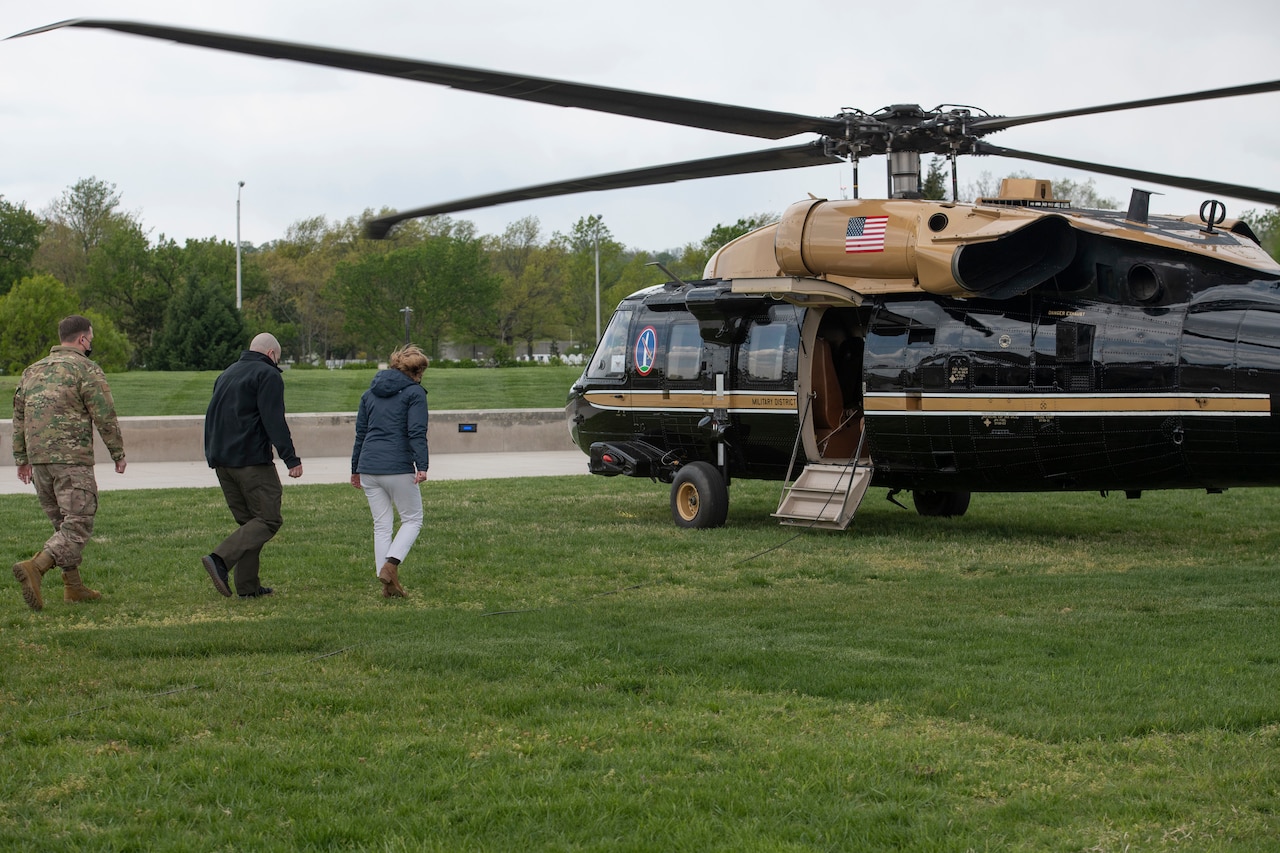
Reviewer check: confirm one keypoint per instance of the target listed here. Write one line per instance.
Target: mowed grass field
(572, 672)
(158, 394)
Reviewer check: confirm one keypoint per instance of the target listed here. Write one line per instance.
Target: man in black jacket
(245, 418)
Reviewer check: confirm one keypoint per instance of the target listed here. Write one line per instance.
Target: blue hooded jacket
(391, 426)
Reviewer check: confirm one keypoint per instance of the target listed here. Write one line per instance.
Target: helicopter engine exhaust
(1016, 262)
(942, 248)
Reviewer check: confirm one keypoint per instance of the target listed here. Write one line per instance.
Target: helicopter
(1017, 343)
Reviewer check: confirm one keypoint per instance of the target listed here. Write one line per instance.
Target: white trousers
(385, 492)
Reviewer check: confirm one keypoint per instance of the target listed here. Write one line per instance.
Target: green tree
(87, 209)
(112, 349)
(122, 280)
(693, 258)
(298, 306)
(202, 329)
(578, 289)
(29, 315)
(20, 231)
(637, 274)
(445, 280)
(1266, 225)
(529, 308)
(934, 185)
(78, 222)
(194, 274)
(530, 282)
(214, 261)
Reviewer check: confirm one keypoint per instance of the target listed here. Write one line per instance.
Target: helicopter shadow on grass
(1170, 516)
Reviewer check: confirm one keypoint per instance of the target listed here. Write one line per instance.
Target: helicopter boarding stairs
(825, 495)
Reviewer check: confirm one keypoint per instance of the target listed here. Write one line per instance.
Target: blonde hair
(410, 360)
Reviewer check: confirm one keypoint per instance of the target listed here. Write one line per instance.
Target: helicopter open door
(833, 428)
(829, 375)
(836, 466)
(838, 470)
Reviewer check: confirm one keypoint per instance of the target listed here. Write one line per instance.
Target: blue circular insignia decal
(646, 350)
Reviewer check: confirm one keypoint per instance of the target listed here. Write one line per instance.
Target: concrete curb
(319, 469)
(330, 434)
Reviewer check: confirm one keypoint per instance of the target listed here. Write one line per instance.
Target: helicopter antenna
(669, 273)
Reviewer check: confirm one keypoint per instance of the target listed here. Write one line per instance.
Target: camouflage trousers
(69, 496)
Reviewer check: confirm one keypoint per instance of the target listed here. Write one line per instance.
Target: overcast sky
(175, 128)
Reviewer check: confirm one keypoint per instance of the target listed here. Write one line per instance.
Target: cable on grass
(803, 530)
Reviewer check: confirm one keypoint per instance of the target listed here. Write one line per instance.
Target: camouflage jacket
(58, 402)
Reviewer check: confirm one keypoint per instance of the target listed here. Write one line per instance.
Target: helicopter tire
(699, 496)
(940, 504)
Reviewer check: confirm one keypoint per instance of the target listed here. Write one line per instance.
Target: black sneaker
(217, 573)
(262, 590)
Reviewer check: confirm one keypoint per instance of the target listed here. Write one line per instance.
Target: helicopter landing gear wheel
(941, 504)
(699, 497)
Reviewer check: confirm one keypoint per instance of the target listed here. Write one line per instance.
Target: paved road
(444, 466)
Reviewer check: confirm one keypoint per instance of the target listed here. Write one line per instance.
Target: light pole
(597, 243)
(238, 188)
(406, 311)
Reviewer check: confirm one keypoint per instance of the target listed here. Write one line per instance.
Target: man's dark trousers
(253, 495)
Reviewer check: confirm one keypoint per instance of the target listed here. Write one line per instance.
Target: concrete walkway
(444, 466)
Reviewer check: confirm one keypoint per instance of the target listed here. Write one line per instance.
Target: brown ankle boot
(73, 589)
(389, 574)
(29, 573)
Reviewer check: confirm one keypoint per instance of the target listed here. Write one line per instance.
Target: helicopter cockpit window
(610, 360)
(684, 354)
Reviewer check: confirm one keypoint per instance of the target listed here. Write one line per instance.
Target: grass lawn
(572, 672)
(187, 393)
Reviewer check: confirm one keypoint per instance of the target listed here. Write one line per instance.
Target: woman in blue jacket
(389, 460)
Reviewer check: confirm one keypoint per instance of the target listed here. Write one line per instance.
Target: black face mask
(88, 352)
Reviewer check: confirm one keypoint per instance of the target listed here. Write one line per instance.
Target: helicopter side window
(610, 359)
(764, 353)
(684, 354)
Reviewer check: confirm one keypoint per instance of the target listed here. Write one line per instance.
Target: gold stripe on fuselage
(1068, 405)
(948, 404)
(769, 402)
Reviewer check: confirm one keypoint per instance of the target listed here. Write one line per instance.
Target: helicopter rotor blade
(991, 124)
(769, 160)
(708, 115)
(851, 133)
(1180, 181)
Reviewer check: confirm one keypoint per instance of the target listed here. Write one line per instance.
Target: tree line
(326, 292)
(322, 289)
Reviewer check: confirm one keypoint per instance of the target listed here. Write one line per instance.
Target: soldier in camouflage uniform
(59, 401)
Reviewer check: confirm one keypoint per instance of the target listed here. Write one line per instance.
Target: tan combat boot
(73, 589)
(389, 574)
(29, 573)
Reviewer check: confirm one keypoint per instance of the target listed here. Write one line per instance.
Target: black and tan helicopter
(1014, 344)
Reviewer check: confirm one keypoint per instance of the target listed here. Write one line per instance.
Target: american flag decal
(865, 234)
